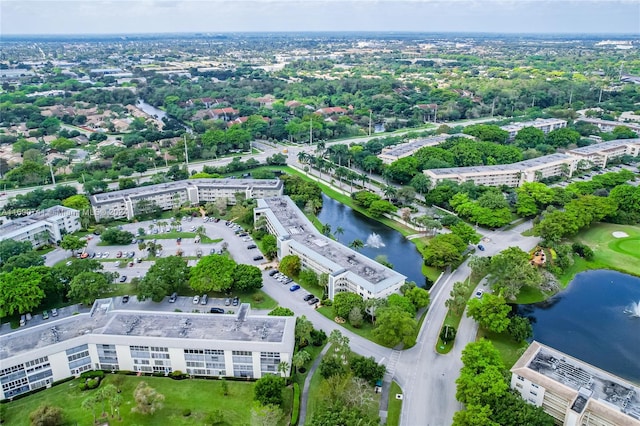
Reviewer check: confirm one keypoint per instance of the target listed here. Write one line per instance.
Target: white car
(196, 299)
(479, 293)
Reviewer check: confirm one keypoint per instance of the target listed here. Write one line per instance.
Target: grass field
(620, 254)
(509, 350)
(202, 397)
(395, 405)
(453, 319)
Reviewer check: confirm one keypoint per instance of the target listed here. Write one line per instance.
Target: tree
(72, 243)
(394, 326)
(24, 260)
(380, 207)
(420, 183)
(344, 302)
(147, 399)
(529, 137)
(447, 333)
(481, 379)
(290, 265)
(300, 358)
(510, 271)
(167, 275)
(356, 244)
(491, 312)
(520, 328)
(458, 297)
(355, 317)
(126, 183)
(308, 277)
(443, 250)
(266, 415)
(332, 366)
(402, 302)
(213, 273)
(270, 246)
(78, 202)
(367, 369)
(89, 404)
(268, 390)
(88, 286)
(339, 231)
(465, 232)
(418, 296)
(281, 312)
(10, 248)
(475, 415)
(303, 330)
(115, 236)
(246, 278)
(19, 291)
(46, 415)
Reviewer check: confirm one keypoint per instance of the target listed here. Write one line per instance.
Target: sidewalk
(305, 390)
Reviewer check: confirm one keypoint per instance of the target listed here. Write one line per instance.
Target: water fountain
(374, 241)
(633, 310)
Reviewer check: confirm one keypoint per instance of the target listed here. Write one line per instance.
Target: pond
(378, 238)
(596, 319)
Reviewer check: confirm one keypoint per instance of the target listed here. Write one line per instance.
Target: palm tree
(283, 368)
(389, 191)
(339, 231)
(300, 359)
(162, 225)
(363, 177)
(340, 173)
(320, 147)
(356, 244)
(326, 229)
(303, 157)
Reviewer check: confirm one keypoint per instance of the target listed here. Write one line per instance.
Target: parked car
(294, 287)
(227, 301)
(45, 315)
(119, 254)
(479, 293)
(28, 316)
(54, 312)
(308, 297)
(173, 297)
(23, 320)
(236, 301)
(251, 246)
(93, 255)
(204, 299)
(84, 255)
(272, 272)
(131, 254)
(258, 257)
(196, 299)
(125, 298)
(480, 247)
(313, 301)
(123, 278)
(216, 311)
(105, 254)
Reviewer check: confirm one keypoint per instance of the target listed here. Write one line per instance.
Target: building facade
(608, 125)
(545, 124)
(42, 227)
(113, 338)
(347, 269)
(573, 392)
(599, 154)
(124, 203)
(396, 152)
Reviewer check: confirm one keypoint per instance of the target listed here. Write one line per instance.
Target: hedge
(295, 412)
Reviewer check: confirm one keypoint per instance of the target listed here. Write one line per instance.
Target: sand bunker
(619, 234)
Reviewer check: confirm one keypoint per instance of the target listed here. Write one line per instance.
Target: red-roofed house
(331, 111)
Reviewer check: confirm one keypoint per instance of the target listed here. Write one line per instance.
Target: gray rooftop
(534, 123)
(603, 146)
(399, 150)
(37, 216)
(240, 184)
(372, 275)
(521, 165)
(589, 381)
(106, 319)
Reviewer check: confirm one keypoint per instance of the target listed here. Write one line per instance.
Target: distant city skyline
(50, 17)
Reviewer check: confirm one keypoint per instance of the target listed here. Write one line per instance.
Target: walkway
(307, 382)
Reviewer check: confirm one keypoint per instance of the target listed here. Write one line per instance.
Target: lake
(594, 320)
(379, 238)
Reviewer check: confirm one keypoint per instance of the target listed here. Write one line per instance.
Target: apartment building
(396, 152)
(116, 336)
(599, 154)
(609, 125)
(511, 175)
(124, 203)
(545, 124)
(348, 270)
(573, 392)
(42, 227)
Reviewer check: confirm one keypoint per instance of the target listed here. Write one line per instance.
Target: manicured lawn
(395, 405)
(174, 235)
(508, 348)
(453, 319)
(621, 254)
(202, 397)
(530, 295)
(364, 331)
(299, 377)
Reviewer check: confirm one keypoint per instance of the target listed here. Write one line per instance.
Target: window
(534, 393)
(521, 378)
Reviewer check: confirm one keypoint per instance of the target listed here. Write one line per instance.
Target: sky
(218, 16)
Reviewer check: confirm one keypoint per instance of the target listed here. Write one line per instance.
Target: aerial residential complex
(545, 124)
(348, 270)
(535, 169)
(573, 392)
(124, 203)
(608, 125)
(110, 337)
(43, 227)
(396, 152)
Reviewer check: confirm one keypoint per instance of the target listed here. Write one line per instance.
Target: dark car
(216, 311)
(173, 298)
(236, 301)
(251, 246)
(308, 297)
(480, 247)
(125, 298)
(258, 257)
(294, 287)
(123, 278)
(313, 301)
(273, 272)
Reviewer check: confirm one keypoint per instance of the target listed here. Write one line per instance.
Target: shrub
(295, 411)
(186, 412)
(327, 302)
(318, 337)
(93, 383)
(258, 297)
(94, 373)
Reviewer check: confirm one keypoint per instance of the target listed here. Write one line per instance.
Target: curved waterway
(378, 238)
(595, 319)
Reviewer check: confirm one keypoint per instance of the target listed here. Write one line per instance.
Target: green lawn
(453, 319)
(530, 295)
(299, 377)
(202, 397)
(365, 331)
(395, 405)
(621, 254)
(508, 348)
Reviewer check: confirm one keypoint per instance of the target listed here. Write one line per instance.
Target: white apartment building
(608, 125)
(511, 175)
(545, 124)
(123, 203)
(396, 152)
(348, 270)
(116, 336)
(573, 392)
(42, 227)
(600, 153)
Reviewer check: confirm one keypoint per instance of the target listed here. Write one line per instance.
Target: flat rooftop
(183, 185)
(603, 146)
(521, 165)
(301, 230)
(590, 382)
(106, 319)
(38, 216)
(409, 147)
(534, 123)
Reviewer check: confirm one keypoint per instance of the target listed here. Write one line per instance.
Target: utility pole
(600, 96)
(186, 153)
(435, 114)
(533, 101)
(53, 177)
(493, 106)
(310, 130)
(369, 122)
(570, 96)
